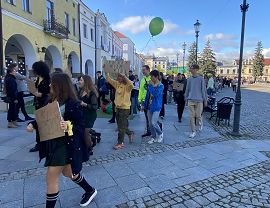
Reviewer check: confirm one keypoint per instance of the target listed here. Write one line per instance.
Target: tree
(258, 62)
(192, 55)
(207, 60)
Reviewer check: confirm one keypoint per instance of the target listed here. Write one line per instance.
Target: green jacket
(143, 89)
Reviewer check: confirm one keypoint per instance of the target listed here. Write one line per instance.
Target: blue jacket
(153, 99)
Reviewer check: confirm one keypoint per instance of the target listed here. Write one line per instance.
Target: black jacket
(180, 94)
(43, 88)
(11, 87)
(76, 145)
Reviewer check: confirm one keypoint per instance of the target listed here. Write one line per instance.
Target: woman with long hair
(10, 89)
(42, 71)
(89, 102)
(65, 155)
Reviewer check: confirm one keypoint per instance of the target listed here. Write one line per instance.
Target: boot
(16, 123)
(11, 125)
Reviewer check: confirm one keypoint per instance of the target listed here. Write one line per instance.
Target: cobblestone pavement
(212, 170)
(246, 187)
(254, 110)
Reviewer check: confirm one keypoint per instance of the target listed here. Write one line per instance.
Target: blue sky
(221, 24)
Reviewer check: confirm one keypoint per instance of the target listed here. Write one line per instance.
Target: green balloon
(156, 26)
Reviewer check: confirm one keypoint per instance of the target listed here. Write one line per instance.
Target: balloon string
(146, 44)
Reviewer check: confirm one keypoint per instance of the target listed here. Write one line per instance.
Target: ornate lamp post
(184, 53)
(197, 30)
(237, 105)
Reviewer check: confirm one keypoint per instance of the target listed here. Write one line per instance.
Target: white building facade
(128, 49)
(103, 40)
(88, 40)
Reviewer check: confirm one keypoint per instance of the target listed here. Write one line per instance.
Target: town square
(134, 104)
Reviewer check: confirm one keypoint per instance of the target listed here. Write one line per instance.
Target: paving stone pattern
(246, 187)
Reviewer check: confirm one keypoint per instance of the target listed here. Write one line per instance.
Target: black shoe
(111, 121)
(87, 197)
(20, 120)
(34, 149)
(146, 134)
(28, 118)
(179, 120)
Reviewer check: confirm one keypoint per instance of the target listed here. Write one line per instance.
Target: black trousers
(21, 104)
(102, 98)
(147, 121)
(180, 107)
(12, 112)
(113, 111)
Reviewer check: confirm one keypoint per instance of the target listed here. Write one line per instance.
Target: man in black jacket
(102, 88)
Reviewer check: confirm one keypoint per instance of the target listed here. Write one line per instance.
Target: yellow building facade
(45, 30)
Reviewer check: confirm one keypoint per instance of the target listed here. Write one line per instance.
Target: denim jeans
(154, 124)
(134, 104)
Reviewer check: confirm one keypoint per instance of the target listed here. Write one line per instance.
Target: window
(228, 71)
(74, 26)
(92, 34)
(12, 2)
(266, 71)
(26, 5)
(109, 45)
(163, 66)
(250, 71)
(67, 20)
(234, 71)
(85, 34)
(221, 71)
(101, 40)
(49, 10)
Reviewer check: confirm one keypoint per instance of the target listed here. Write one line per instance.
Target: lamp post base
(235, 134)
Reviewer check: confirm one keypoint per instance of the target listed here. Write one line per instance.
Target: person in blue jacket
(153, 105)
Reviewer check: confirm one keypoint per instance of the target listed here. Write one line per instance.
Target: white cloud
(133, 24)
(219, 36)
(266, 52)
(138, 24)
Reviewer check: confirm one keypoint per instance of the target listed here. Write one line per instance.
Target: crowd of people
(79, 102)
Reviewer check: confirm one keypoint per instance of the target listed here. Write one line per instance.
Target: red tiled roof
(119, 35)
(267, 61)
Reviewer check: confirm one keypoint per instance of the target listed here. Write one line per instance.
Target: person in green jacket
(142, 94)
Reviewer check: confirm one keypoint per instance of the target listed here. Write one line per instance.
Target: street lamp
(197, 30)
(237, 104)
(184, 53)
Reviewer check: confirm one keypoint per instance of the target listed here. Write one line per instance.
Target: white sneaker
(201, 128)
(160, 139)
(152, 140)
(192, 135)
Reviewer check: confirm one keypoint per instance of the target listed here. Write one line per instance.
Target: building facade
(45, 30)
(88, 40)
(161, 63)
(103, 40)
(231, 70)
(128, 49)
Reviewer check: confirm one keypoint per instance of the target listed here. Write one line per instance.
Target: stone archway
(20, 50)
(74, 63)
(89, 68)
(53, 57)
